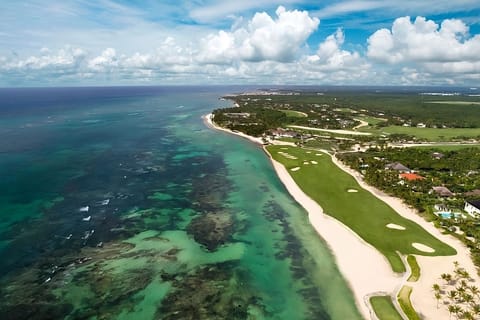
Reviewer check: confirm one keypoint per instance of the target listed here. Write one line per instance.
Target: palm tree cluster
(459, 294)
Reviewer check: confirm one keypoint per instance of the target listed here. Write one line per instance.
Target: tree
(451, 309)
(438, 296)
(452, 295)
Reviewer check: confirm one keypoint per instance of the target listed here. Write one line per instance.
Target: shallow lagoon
(197, 225)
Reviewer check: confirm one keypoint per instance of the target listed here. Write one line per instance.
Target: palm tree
(457, 310)
(476, 309)
(464, 273)
(451, 309)
(460, 289)
(436, 287)
(447, 277)
(452, 294)
(468, 298)
(438, 296)
(467, 315)
(474, 290)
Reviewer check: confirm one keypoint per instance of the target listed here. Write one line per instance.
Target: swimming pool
(447, 215)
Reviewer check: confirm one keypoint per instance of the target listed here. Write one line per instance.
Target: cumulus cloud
(424, 41)
(106, 61)
(425, 50)
(263, 38)
(64, 58)
(331, 56)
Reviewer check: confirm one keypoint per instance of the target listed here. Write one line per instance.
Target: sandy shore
(431, 267)
(208, 119)
(365, 269)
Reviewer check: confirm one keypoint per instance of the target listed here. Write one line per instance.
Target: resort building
(410, 176)
(473, 208)
(397, 166)
(442, 191)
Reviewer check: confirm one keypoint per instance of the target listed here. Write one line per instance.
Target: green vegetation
(429, 134)
(414, 267)
(384, 308)
(472, 103)
(294, 114)
(460, 293)
(405, 304)
(361, 211)
(372, 121)
(449, 147)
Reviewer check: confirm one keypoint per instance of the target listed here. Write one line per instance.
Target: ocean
(119, 203)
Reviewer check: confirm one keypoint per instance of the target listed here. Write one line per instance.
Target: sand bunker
(309, 151)
(306, 162)
(286, 155)
(318, 154)
(313, 162)
(352, 190)
(295, 169)
(395, 226)
(422, 247)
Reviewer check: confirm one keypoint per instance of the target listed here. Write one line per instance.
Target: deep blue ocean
(119, 203)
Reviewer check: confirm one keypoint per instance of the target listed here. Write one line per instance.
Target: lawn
(294, 114)
(430, 134)
(371, 120)
(384, 309)
(404, 301)
(412, 262)
(361, 211)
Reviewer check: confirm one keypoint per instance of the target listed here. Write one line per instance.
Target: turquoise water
(183, 222)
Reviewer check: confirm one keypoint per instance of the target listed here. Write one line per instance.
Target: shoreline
(365, 269)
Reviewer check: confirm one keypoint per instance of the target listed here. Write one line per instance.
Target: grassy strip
(384, 308)
(405, 304)
(449, 147)
(430, 134)
(368, 216)
(412, 262)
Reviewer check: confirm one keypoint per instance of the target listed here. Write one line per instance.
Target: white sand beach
(365, 269)
(431, 267)
(208, 120)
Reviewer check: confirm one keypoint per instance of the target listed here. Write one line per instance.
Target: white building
(473, 208)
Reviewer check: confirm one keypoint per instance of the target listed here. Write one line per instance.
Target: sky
(154, 42)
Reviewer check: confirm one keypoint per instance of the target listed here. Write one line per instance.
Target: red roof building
(411, 176)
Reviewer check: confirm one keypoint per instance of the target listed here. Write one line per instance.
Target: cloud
(383, 8)
(427, 50)
(263, 38)
(331, 58)
(65, 58)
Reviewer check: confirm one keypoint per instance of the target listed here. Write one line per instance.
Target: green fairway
(368, 216)
(384, 309)
(294, 114)
(430, 134)
(371, 120)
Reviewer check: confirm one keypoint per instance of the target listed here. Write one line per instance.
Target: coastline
(422, 297)
(365, 269)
